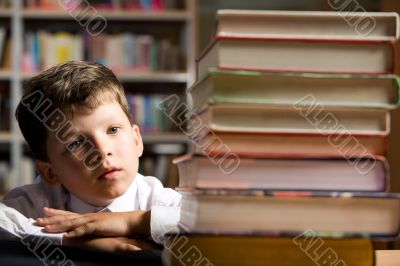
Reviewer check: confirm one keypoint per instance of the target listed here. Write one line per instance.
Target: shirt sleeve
(165, 212)
(164, 220)
(15, 225)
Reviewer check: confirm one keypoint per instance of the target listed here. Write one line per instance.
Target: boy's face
(119, 143)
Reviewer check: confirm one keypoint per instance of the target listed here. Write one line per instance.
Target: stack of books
(290, 119)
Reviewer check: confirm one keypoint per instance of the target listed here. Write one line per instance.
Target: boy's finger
(54, 219)
(126, 247)
(53, 212)
(66, 224)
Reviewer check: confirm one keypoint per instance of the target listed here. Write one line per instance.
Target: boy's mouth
(110, 173)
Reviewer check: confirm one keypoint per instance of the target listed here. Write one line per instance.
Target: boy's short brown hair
(65, 87)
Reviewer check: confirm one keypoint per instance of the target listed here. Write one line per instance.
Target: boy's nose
(104, 149)
(105, 153)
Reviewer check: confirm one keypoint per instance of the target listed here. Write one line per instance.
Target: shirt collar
(126, 202)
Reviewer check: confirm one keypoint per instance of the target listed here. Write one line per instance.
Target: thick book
(257, 250)
(346, 213)
(293, 55)
(356, 174)
(290, 144)
(308, 24)
(295, 119)
(381, 91)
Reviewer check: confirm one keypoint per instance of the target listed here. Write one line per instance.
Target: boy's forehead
(82, 109)
(82, 115)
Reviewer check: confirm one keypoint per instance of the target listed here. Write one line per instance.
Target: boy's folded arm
(14, 224)
(124, 224)
(156, 223)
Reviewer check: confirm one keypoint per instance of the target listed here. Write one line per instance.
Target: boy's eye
(74, 145)
(113, 130)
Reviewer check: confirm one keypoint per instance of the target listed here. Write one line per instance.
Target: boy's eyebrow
(109, 119)
(106, 117)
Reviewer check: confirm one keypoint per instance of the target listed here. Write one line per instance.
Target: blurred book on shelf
(145, 112)
(27, 176)
(4, 177)
(6, 58)
(5, 107)
(3, 41)
(120, 52)
(148, 5)
(5, 3)
(157, 161)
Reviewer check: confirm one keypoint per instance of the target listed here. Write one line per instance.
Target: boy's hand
(127, 224)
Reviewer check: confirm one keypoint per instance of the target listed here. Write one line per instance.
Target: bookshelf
(126, 76)
(5, 13)
(174, 22)
(174, 15)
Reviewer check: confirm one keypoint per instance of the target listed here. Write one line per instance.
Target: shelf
(132, 76)
(5, 74)
(158, 23)
(5, 13)
(164, 138)
(5, 137)
(129, 15)
(174, 77)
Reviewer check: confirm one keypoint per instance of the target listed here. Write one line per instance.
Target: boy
(76, 121)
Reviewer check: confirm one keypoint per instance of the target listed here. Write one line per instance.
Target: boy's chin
(112, 195)
(114, 192)
(111, 192)
(106, 199)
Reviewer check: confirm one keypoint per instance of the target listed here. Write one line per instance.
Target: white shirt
(144, 193)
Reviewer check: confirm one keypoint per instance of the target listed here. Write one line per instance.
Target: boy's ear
(46, 172)
(138, 140)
